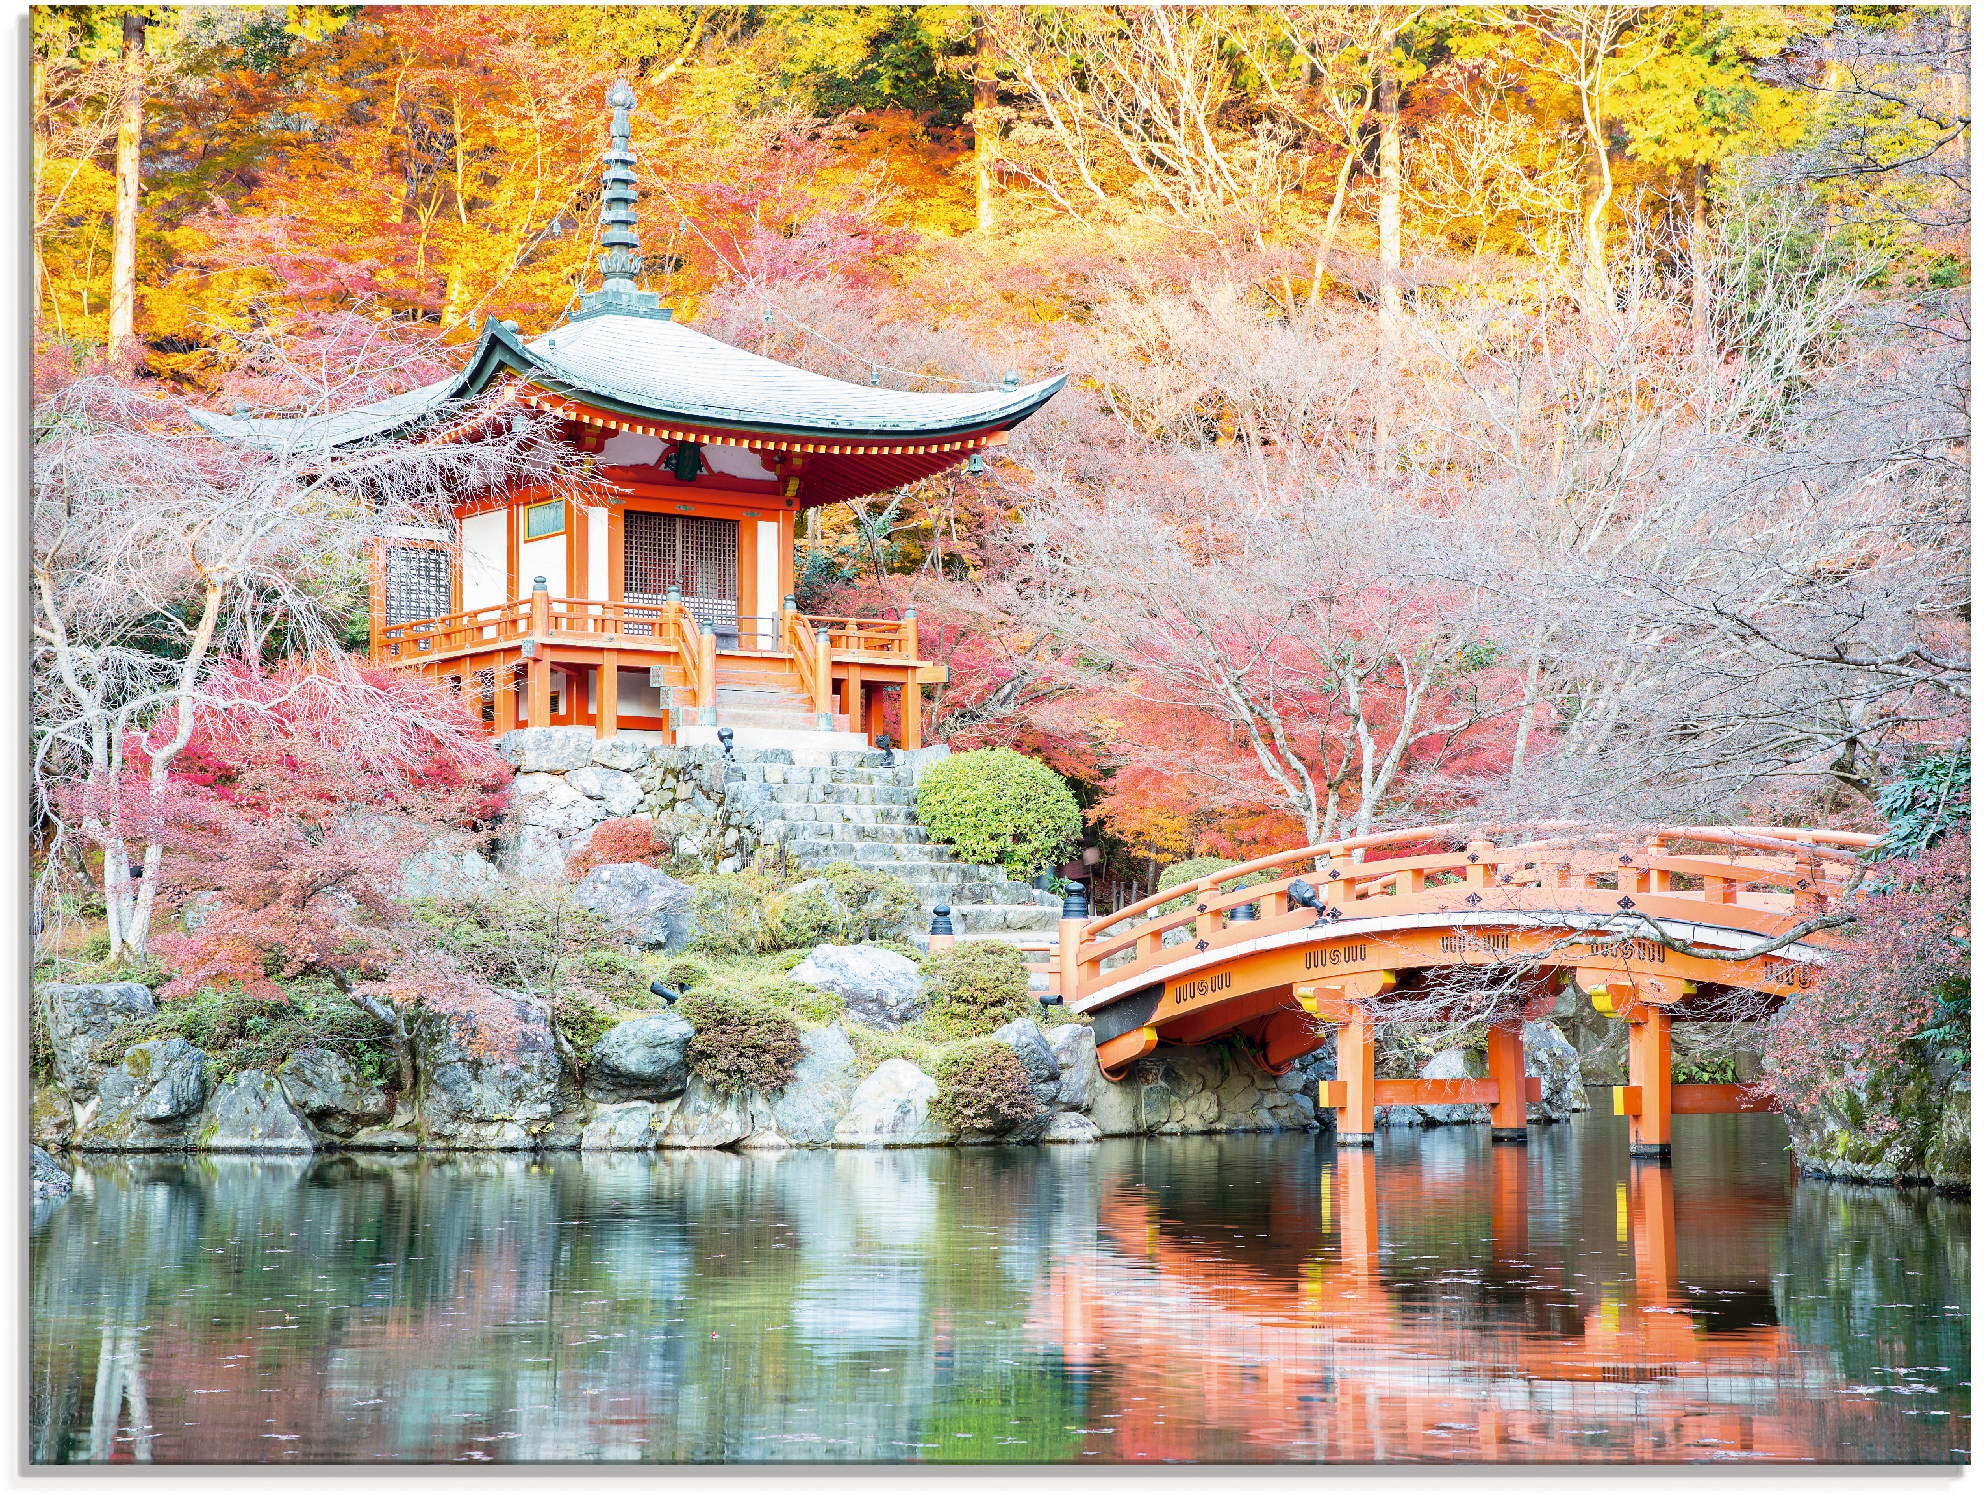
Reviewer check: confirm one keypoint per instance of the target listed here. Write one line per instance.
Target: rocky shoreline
(636, 1090)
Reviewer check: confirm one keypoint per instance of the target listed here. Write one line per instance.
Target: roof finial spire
(619, 239)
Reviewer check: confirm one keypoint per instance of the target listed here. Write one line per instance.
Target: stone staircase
(851, 808)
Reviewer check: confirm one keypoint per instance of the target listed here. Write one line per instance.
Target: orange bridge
(1654, 926)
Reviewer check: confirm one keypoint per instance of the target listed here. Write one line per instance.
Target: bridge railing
(1759, 878)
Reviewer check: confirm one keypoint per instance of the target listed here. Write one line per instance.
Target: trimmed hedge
(739, 1044)
(754, 913)
(983, 1087)
(976, 987)
(1000, 808)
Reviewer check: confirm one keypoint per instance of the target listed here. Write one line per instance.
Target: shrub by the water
(239, 1031)
(975, 986)
(983, 1087)
(739, 1044)
(1000, 808)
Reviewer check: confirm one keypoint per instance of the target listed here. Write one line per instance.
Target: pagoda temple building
(665, 605)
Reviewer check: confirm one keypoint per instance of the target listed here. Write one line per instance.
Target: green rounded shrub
(983, 1087)
(975, 987)
(1191, 870)
(1000, 808)
(734, 913)
(740, 1044)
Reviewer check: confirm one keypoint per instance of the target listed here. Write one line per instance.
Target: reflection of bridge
(1661, 926)
(1306, 1334)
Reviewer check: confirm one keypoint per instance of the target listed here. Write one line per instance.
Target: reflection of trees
(1879, 1277)
(1246, 1298)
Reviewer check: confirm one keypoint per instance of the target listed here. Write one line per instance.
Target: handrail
(797, 640)
(679, 629)
(1800, 873)
(868, 635)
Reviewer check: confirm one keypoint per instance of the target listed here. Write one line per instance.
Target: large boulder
(644, 1058)
(1454, 1063)
(1185, 1091)
(1065, 1126)
(618, 793)
(450, 867)
(322, 1085)
(629, 1126)
(814, 1101)
(488, 1074)
(547, 749)
(710, 1118)
(145, 1100)
(654, 908)
(548, 801)
(532, 853)
(881, 988)
(1908, 1124)
(622, 753)
(1073, 1045)
(1548, 1055)
(891, 1107)
(81, 1016)
(1043, 1070)
(51, 1116)
(250, 1113)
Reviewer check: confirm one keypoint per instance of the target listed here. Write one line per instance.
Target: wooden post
(1509, 1116)
(912, 714)
(540, 662)
(823, 681)
(503, 682)
(909, 634)
(1074, 921)
(1357, 1068)
(608, 714)
(1649, 1054)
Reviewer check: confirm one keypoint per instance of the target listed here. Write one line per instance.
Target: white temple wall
(485, 559)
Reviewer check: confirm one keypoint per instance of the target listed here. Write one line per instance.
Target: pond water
(1192, 1299)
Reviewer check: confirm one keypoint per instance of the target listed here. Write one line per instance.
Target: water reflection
(1187, 1299)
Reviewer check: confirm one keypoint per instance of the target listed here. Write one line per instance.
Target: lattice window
(696, 554)
(419, 583)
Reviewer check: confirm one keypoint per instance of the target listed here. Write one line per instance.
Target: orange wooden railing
(890, 637)
(1767, 878)
(811, 653)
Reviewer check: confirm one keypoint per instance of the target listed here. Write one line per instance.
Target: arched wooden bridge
(1653, 925)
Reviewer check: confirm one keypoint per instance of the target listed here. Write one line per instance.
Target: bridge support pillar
(1509, 1117)
(1650, 1070)
(1357, 1070)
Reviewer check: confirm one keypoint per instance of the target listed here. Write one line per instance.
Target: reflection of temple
(1325, 1338)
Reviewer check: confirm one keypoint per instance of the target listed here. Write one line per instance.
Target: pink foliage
(1910, 945)
(293, 811)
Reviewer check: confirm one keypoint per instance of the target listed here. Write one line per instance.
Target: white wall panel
(485, 559)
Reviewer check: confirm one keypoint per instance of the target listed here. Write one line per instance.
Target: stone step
(813, 833)
(978, 918)
(848, 814)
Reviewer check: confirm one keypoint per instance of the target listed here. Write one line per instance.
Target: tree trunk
(984, 128)
(1389, 223)
(124, 250)
(37, 150)
(1698, 258)
(1390, 302)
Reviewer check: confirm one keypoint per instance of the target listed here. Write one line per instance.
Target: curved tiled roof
(654, 367)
